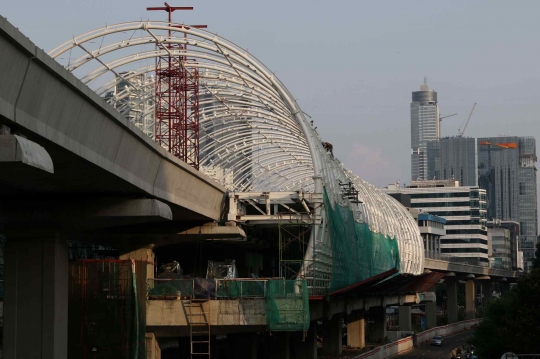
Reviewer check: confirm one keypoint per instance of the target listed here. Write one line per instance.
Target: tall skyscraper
(453, 158)
(507, 171)
(424, 127)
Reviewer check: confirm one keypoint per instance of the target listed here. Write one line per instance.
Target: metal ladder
(199, 328)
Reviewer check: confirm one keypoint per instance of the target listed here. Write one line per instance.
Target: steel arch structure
(253, 134)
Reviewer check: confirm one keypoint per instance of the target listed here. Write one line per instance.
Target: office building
(499, 248)
(424, 128)
(503, 240)
(463, 208)
(453, 158)
(507, 171)
(431, 227)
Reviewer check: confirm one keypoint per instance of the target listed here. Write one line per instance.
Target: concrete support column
(405, 320)
(431, 315)
(36, 295)
(470, 312)
(505, 287)
(146, 255)
(333, 336)
(487, 291)
(305, 347)
(244, 346)
(279, 345)
(451, 301)
(356, 325)
(377, 328)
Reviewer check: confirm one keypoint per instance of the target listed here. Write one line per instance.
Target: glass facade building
(507, 171)
(463, 208)
(453, 158)
(424, 128)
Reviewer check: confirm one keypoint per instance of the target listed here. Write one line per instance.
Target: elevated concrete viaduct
(71, 165)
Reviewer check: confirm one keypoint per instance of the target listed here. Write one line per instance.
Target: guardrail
(400, 346)
(241, 288)
(445, 330)
(452, 259)
(170, 288)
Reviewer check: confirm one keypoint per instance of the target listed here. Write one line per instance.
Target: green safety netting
(240, 288)
(166, 288)
(358, 253)
(287, 305)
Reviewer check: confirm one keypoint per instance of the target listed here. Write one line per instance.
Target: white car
(436, 340)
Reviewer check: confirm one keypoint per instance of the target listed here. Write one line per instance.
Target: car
(437, 340)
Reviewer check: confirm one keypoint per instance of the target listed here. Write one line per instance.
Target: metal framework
(253, 135)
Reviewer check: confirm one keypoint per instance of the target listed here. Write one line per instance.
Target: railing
(453, 259)
(170, 288)
(392, 349)
(241, 288)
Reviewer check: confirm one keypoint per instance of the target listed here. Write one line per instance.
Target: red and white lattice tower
(177, 98)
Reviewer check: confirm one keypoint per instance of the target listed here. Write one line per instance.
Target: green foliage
(536, 262)
(512, 323)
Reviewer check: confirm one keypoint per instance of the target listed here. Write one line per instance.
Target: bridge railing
(241, 288)
(452, 259)
(170, 288)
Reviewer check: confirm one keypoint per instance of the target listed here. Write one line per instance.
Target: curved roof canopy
(253, 135)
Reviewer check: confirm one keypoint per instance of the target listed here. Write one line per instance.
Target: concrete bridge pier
(451, 300)
(377, 327)
(404, 317)
(305, 347)
(431, 315)
(36, 295)
(244, 346)
(356, 333)
(487, 291)
(470, 312)
(333, 336)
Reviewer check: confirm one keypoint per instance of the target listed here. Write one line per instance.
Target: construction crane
(460, 133)
(445, 116)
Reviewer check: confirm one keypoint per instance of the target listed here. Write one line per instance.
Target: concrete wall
(425, 336)
(152, 347)
(238, 312)
(400, 346)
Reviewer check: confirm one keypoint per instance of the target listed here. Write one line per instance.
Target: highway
(435, 352)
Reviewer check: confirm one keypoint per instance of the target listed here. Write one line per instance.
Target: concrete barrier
(449, 329)
(400, 346)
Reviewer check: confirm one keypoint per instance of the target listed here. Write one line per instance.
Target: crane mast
(461, 133)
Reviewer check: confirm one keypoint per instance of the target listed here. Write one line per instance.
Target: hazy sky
(352, 65)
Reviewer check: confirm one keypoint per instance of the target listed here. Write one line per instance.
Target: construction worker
(328, 147)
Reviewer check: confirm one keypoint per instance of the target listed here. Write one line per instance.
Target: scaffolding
(107, 309)
(293, 246)
(177, 97)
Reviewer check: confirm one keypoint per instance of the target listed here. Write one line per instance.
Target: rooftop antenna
(425, 80)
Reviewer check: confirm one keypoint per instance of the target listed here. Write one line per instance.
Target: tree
(512, 323)
(536, 262)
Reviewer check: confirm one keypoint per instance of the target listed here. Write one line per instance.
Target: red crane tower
(177, 97)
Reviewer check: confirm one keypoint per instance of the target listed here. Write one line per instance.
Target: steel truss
(253, 135)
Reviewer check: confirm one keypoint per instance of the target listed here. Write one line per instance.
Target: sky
(352, 65)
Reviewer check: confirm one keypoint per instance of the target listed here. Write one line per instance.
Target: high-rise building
(463, 208)
(424, 127)
(494, 230)
(507, 171)
(453, 158)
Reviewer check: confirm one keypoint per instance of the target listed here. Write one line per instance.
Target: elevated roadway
(70, 166)
(82, 149)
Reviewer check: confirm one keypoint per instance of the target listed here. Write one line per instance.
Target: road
(436, 352)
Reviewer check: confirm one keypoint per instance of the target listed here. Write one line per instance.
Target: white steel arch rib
(253, 134)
